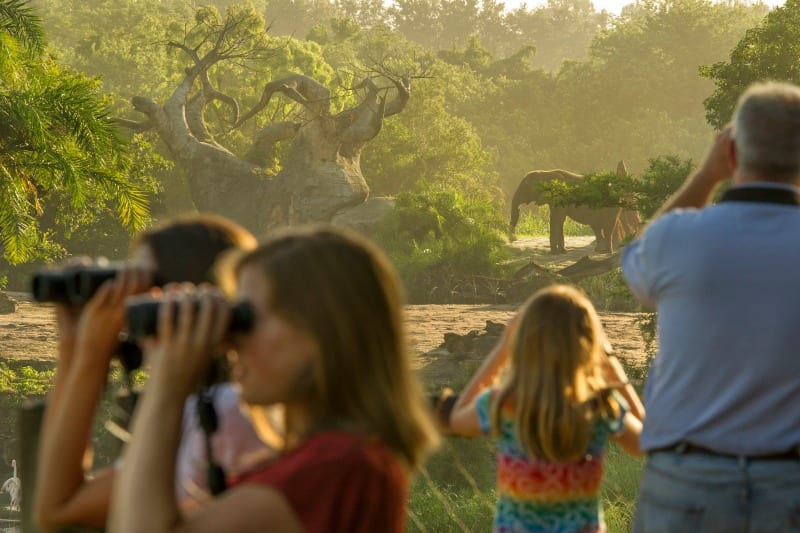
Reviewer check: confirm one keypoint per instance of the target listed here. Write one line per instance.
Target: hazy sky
(613, 6)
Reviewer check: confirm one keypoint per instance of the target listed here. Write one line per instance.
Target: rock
(365, 217)
(495, 328)
(475, 344)
(7, 304)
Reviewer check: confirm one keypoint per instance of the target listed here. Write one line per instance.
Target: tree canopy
(57, 141)
(768, 51)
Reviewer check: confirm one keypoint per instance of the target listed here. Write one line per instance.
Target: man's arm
(718, 166)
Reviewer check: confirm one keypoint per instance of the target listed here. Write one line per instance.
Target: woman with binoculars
(328, 344)
(184, 249)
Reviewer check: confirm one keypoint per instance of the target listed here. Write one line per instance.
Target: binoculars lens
(74, 285)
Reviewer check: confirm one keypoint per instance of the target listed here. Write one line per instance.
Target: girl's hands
(192, 325)
(103, 316)
(613, 372)
(67, 315)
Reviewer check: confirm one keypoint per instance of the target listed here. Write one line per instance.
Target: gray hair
(766, 131)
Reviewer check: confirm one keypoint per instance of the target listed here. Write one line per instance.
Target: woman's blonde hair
(341, 289)
(554, 383)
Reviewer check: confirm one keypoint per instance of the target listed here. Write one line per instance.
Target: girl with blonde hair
(328, 344)
(562, 398)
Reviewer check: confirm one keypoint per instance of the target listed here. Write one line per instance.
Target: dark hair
(187, 247)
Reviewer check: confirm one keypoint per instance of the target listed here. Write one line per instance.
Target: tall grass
(456, 491)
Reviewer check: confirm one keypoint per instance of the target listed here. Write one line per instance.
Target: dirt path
(30, 332)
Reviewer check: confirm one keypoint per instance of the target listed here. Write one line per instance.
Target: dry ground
(30, 332)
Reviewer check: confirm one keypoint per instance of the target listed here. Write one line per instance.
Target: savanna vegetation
(491, 94)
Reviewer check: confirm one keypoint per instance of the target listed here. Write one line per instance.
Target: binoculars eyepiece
(74, 285)
(142, 317)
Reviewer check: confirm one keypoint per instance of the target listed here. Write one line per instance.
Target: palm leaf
(18, 19)
(16, 222)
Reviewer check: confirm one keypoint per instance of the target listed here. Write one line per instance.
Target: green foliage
(647, 327)
(768, 51)
(440, 238)
(620, 488)
(610, 292)
(24, 381)
(604, 189)
(19, 21)
(663, 177)
(645, 194)
(537, 223)
(56, 138)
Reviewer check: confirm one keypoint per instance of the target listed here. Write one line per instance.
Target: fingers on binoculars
(130, 280)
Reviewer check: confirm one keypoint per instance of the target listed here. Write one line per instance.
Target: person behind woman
(181, 249)
(552, 415)
(328, 343)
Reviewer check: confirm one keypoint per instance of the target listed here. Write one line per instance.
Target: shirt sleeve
(642, 262)
(357, 490)
(483, 407)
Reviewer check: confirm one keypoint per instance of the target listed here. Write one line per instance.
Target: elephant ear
(622, 170)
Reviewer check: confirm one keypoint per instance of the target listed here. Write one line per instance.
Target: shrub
(441, 240)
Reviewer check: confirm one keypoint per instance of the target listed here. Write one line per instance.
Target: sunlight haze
(612, 6)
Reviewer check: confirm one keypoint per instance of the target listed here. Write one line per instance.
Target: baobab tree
(321, 176)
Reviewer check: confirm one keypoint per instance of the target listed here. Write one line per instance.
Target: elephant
(610, 224)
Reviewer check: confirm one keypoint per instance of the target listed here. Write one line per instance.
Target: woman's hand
(103, 317)
(192, 325)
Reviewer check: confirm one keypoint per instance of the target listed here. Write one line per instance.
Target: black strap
(766, 195)
(207, 416)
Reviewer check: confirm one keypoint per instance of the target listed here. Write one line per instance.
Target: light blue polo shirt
(726, 284)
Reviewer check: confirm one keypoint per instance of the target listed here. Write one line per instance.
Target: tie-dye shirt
(543, 496)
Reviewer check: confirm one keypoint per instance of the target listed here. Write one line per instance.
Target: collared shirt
(725, 281)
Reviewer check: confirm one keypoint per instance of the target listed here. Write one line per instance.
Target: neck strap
(766, 195)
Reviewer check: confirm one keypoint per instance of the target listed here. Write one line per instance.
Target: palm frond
(132, 203)
(18, 19)
(16, 222)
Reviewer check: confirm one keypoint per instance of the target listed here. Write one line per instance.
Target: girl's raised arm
(64, 495)
(464, 418)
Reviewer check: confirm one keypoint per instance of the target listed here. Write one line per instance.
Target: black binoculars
(142, 317)
(74, 285)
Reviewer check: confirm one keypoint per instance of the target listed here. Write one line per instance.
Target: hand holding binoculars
(142, 316)
(73, 285)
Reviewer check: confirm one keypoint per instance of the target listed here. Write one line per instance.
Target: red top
(339, 482)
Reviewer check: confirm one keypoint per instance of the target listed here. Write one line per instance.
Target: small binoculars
(142, 317)
(74, 285)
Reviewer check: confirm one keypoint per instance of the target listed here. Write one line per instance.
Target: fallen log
(586, 267)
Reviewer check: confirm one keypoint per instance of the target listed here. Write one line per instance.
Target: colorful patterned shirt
(542, 496)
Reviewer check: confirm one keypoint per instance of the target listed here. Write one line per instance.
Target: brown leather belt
(792, 454)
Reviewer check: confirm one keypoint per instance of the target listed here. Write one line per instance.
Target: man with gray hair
(723, 395)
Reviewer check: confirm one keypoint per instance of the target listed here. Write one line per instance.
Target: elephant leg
(557, 218)
(601, 239)
(615, 235)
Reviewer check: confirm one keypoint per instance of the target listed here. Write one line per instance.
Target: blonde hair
(554, 382)
(341, 289)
